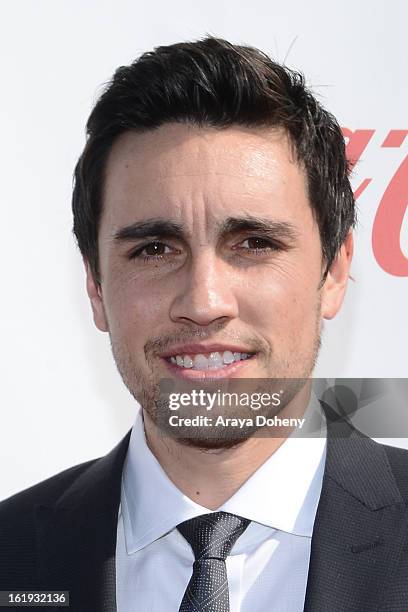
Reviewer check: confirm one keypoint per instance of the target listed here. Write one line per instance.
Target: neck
(211, 477)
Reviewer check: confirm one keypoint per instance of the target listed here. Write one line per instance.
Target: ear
(335, 285)
(95, 295)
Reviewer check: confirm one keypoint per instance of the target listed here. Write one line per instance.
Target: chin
(212, 444)
(212, 438)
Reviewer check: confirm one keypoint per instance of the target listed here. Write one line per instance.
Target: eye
(259, 245)
(154, 251)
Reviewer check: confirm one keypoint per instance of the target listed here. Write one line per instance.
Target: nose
(206, 292)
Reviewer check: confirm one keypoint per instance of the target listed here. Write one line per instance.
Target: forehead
(181, 167)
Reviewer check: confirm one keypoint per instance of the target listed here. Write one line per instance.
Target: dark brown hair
(214, 83)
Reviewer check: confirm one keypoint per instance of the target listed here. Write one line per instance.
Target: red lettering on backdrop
(388, 223)
(386, 235)
(362, 187)
(356, 145)
(395, 138)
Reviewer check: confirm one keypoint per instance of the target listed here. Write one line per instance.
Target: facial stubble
(145, 387)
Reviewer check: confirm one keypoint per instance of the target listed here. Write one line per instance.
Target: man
(213, 211)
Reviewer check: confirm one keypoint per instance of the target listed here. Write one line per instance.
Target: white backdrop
(62, 401)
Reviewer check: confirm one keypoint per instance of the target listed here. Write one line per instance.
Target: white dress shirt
(268, 565)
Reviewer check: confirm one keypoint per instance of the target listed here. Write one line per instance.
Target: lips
(206, 360)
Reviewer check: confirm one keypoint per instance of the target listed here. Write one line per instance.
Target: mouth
(215, 364)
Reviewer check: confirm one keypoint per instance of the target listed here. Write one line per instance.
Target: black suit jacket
(61, 533)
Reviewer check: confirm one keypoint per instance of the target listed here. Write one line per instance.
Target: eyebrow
(167, 228)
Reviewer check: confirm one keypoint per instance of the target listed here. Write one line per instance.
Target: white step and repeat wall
(62, 401)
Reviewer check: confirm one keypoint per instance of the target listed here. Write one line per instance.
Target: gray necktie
(211, 536)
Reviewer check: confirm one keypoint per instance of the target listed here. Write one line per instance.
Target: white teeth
(188, 362)
(211, 361)
(200, 362)
(228, 357)
(215, 361)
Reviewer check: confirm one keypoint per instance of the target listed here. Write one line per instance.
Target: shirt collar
(283, 493)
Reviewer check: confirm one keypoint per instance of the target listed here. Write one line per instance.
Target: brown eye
(150, 250)
(153, 252)
(155, 248)
(258, 243)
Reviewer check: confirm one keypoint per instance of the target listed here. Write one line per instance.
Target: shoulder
(18, 534)
(26, 517)
(17, 513)
(20, 505)
(94, 477)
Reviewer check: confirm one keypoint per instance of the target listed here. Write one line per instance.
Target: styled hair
(214, 83)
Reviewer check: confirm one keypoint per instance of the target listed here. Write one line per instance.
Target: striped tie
(211, 536)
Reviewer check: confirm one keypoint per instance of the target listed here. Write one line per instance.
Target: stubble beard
(145, 388)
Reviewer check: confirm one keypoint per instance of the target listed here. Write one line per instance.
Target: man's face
(239, 265)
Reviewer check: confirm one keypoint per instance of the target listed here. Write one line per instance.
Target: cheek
(134, 311)
(285, 307)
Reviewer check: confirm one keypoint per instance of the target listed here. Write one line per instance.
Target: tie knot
(213, 535)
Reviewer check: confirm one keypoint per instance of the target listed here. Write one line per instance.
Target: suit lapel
(357, 537)
(77, 536)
